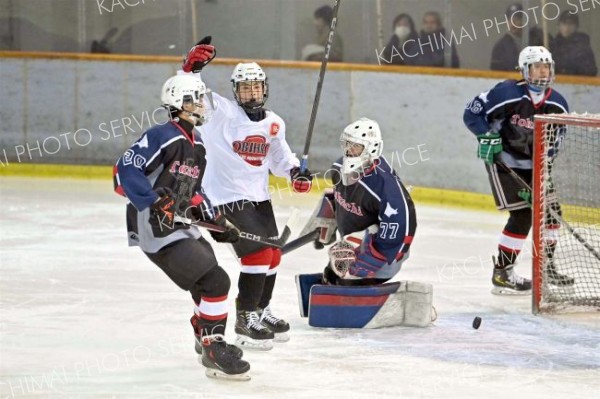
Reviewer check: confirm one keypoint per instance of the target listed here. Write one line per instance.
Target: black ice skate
(220, 362)
(279, 326)
(507, 282)
(251, 333)
(555, 278)
(237, 352)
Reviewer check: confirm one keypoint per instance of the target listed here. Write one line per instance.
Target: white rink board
(84, 316)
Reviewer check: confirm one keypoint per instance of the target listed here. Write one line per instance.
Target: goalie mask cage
(566, 237)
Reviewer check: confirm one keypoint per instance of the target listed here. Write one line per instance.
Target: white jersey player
(245, 141)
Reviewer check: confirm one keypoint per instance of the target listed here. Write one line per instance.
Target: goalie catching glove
(199, 56)
(362, 262)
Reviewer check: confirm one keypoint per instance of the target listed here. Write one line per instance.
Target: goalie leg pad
(404, 303)
(304, 283)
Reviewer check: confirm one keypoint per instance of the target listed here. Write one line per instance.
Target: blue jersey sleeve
(476, 111)
(394, 213)
(140, 160)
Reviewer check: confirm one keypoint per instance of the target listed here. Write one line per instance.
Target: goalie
(368, 196)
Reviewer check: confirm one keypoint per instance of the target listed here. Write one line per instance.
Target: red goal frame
(539, 169)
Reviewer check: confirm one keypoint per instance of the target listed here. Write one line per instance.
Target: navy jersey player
(502, 121)
(161, 175)
(245, 142)
(368, 197)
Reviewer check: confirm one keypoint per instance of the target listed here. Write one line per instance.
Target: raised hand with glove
(199, 55)
(301, 181)
(490, 144)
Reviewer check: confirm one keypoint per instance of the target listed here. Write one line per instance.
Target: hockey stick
(220, 229)
(300, 241)
(313, 115)
(552, 212)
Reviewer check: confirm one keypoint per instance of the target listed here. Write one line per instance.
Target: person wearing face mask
(571, 49)
(402, 48)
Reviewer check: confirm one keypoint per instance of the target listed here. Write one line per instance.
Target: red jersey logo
(274, 129)
(253, 149)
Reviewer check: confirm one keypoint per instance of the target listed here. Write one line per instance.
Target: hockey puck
(476, 322)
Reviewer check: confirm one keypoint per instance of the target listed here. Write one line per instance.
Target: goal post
(566, 213)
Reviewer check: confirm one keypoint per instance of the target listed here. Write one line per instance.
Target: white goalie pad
(410, 306)
(323, 218)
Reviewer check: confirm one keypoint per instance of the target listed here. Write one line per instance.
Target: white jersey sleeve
(281, 158)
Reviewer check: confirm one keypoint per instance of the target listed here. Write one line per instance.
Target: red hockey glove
(199, 55)
(301, 181)
(163, 209)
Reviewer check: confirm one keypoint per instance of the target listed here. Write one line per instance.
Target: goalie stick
(554, 214)
(313, 115)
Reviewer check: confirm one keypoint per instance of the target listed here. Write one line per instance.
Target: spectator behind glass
(571, 50)
(402, 48)
(505, 55)
(315, 51)
(432, 54)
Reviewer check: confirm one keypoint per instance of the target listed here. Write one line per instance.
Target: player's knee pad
(263, 256)
(519, 222)
(214, 283)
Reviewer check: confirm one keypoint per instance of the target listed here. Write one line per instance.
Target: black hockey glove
(301, 181)
(162, 211)
(231, 235)
(199, 55)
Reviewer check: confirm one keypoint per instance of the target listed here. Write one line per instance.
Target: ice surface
(84, 316)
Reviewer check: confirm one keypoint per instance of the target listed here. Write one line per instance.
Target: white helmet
(180, 89)
(249, 72)
(530, 55)
(366, 133)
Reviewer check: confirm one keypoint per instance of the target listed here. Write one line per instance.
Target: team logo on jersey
(183, 169)
(522, 122)
(253, 149)
(274, 129)
(349, 206)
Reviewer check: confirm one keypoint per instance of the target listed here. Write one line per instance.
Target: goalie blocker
(404, 303)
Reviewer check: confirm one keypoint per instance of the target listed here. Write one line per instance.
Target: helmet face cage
(530, 56)
(361, 145)
(250, 73)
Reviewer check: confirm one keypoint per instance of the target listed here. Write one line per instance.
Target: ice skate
(222, 363)
(507, 282)
(237, 352)
(251, 333)
(279, 326)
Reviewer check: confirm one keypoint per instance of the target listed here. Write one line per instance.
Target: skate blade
(219, 375)
(254, 344)
(505, 291)
(281, 337)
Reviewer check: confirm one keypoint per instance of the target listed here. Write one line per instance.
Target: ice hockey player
(161, 175)
(244, 142)
(502, 121)
(368, 197)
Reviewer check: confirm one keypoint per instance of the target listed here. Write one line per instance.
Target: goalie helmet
(531, 55)
(247, 73)
(181, 89)
(361, 145)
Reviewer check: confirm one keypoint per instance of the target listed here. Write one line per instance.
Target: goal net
(566, 213)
